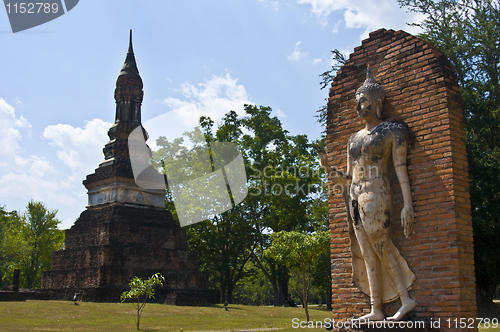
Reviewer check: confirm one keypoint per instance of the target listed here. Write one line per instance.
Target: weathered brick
(422, 93)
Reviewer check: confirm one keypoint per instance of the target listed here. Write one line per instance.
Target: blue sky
(199, 57)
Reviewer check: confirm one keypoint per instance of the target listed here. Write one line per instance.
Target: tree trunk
(301, 298)
(29, 276)
(486, 308)
(329, 299)
(277, 295)
(229, 296)
(304, 291)
(223, 293)
(138, 314)
(276, 290)
(284, 289)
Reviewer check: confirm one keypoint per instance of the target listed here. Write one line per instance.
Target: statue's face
(365, 106)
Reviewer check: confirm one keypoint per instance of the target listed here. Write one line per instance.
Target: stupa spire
(130, 66)
(128, 92)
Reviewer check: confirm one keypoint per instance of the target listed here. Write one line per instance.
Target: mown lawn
(65, 316)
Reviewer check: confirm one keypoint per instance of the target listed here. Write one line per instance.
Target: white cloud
(57, 181)
(39, 166)
(316, 61)
(214, 98)
(336, 27)
(323, 8)
(22, 176)
(367, 14)
(79, 148)
(274, 4)
(297, 54)
(26, 186)
(18, 102)
(10, 136)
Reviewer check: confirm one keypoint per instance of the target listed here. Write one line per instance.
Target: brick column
(421, 93)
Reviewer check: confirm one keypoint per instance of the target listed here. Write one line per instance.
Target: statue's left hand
(407, 220)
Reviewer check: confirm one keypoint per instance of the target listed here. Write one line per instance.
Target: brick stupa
(125, 230)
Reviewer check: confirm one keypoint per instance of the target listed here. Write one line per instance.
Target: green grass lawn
(65, 316)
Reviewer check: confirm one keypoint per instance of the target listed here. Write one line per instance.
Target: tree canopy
(300, 251)
(27, 241)
(284, 185)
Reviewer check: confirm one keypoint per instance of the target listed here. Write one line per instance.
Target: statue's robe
(389, 291)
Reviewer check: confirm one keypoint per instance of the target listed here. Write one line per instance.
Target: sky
(195, 57)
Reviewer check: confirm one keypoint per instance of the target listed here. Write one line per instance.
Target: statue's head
(369, 96)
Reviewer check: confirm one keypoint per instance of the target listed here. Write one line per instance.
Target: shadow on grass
(229, 307)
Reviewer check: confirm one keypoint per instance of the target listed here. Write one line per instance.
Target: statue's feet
(372, 316)
(405, 309)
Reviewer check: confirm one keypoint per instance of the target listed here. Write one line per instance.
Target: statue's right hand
(323, 158)
(319, 149)
(335, 176)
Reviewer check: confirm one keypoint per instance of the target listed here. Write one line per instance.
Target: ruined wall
(421, 93)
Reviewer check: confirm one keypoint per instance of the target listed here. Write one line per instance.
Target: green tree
(299, 251)
(38, 230)
(221, 241)
(284, 179)
(12, 245)
(222, 247)
(254, 288)
(142, 290)
(321, 276)
(283, 176)
(230, 234)
(468, 32)
(318, 215)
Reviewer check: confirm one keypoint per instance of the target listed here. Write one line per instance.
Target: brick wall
(421, 93)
